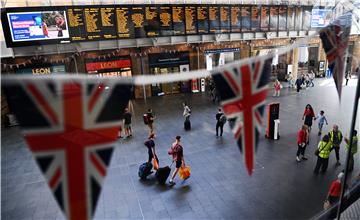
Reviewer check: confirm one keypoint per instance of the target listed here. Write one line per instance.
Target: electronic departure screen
(178, 18)
(64, 24)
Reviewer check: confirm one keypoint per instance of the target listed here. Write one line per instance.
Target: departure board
(76, 24)
(235, 19)
(202, 19)
(225, 19)
(214, 19)
(108, 23)
(152, 21)
(137, 17)
(165, 18)
(93, 23)
(124, 23)
(190, 18)
(178, 18)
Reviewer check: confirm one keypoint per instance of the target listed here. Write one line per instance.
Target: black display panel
(202, 20)
(235, 19)
(152, 26)
(138, 21)
(225, 19)
(245, 18)
(178, 18)
(165, 18)
(214, 19)
(255, 18)
(92, 23)
(108, 23)
(190, 20)
(76, 24)
(124, 23)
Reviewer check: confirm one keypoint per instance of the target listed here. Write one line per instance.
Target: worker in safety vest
(335, 139)
(323, 153)
(353, 149)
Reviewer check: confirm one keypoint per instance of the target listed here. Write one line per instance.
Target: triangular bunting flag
(242, 90)
(335, 39)
(70, 127)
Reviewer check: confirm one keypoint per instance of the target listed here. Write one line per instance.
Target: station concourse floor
(219, 186)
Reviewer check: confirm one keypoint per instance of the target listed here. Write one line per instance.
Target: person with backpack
(127, 123)
(176, 151)
(220, 121)
(335, 139)
(353, 149)
(302, 140)
(149, 121)
(322, 120)
(323, 154)
(150, 144)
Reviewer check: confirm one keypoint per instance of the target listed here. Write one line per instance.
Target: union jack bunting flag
(242, 90)
(70, 127)
(335, 38)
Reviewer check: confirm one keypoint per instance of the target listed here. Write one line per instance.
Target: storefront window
(115, 66)
(264, 18)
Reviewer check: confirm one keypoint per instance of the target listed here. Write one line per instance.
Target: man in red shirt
(302, 140)
(176, 151)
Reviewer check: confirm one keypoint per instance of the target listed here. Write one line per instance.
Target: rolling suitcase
(187, 125)
(162, 174)
(144, 170)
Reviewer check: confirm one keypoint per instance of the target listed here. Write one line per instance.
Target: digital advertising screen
(320, 17)
(40, 25)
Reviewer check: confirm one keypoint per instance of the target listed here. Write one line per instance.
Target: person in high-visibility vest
(353, 149)
(335, 139)
(323, 154)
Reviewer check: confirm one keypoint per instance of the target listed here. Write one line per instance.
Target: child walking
(322, 119)
(277, 87)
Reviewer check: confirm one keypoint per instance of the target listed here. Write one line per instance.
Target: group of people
(304, 80)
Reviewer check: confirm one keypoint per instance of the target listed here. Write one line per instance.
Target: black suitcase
(187, 125)
(162, 174)
(145, 170)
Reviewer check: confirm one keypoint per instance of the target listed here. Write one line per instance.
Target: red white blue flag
(335, 39)
(70, 128)
(243, 90)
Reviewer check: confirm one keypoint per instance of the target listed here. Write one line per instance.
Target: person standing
(298, 84)
(127, 123)
(177, 153)
(150, 121)
(322, 120)
(347, 77)
(308, 116)
(290, 80)
(323, 154)
(150, 144)
(333, 195)
(187, 111)
(335, 139)
(277, 87)
(220, 121)
(302, 141)
(353, 149)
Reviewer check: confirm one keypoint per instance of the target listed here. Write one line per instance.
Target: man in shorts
(127, 123)
(176, 151)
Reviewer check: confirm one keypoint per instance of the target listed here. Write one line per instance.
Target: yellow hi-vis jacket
(354, 145)
(324, 148)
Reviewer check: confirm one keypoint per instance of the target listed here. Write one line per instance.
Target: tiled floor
(219, 187)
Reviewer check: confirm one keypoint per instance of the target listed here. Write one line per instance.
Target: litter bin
(276, 129)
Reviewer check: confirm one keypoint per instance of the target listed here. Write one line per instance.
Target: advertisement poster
(255, 18)
(274, 17)
(42, 25)
(306, 18)
(245, 18)
(320, 17)
(282, 18)
(264, 18)
(290, 18)
(298, 18)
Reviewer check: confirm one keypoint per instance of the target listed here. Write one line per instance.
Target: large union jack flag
(335, 39)
(70, 127)
(242, 90)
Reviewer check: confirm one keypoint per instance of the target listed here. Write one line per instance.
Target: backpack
(223, 119)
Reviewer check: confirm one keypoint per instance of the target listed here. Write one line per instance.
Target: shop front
(162, 64)
(114, 66)
(42, 69)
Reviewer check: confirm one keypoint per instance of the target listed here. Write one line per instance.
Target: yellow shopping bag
(184, 172)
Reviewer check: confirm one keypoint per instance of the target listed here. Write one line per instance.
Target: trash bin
(276, 129)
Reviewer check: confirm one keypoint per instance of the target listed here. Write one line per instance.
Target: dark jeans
(351, 162)
(337, 149)
(298, 87)
(301, 150)
(221, 126)
(151, 156)
(321, 163)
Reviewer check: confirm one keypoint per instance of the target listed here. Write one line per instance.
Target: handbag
(184, 172)
(156, 165)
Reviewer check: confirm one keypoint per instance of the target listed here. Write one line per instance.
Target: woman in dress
(308, 116)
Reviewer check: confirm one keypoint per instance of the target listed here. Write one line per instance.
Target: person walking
(290, 80)
(333, 195)
(347, 77)
(127, 123)
(150, 121)
(177, 153)
(150, 144)
(298, 84)
(277, 87)
(322, 120)
(187, 111)
(353, 149)
(308, 116)
(323, 154)
(335, 139)
(302, 141)
(220, 121)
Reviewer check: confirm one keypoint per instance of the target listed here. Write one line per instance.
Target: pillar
(295, 62)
